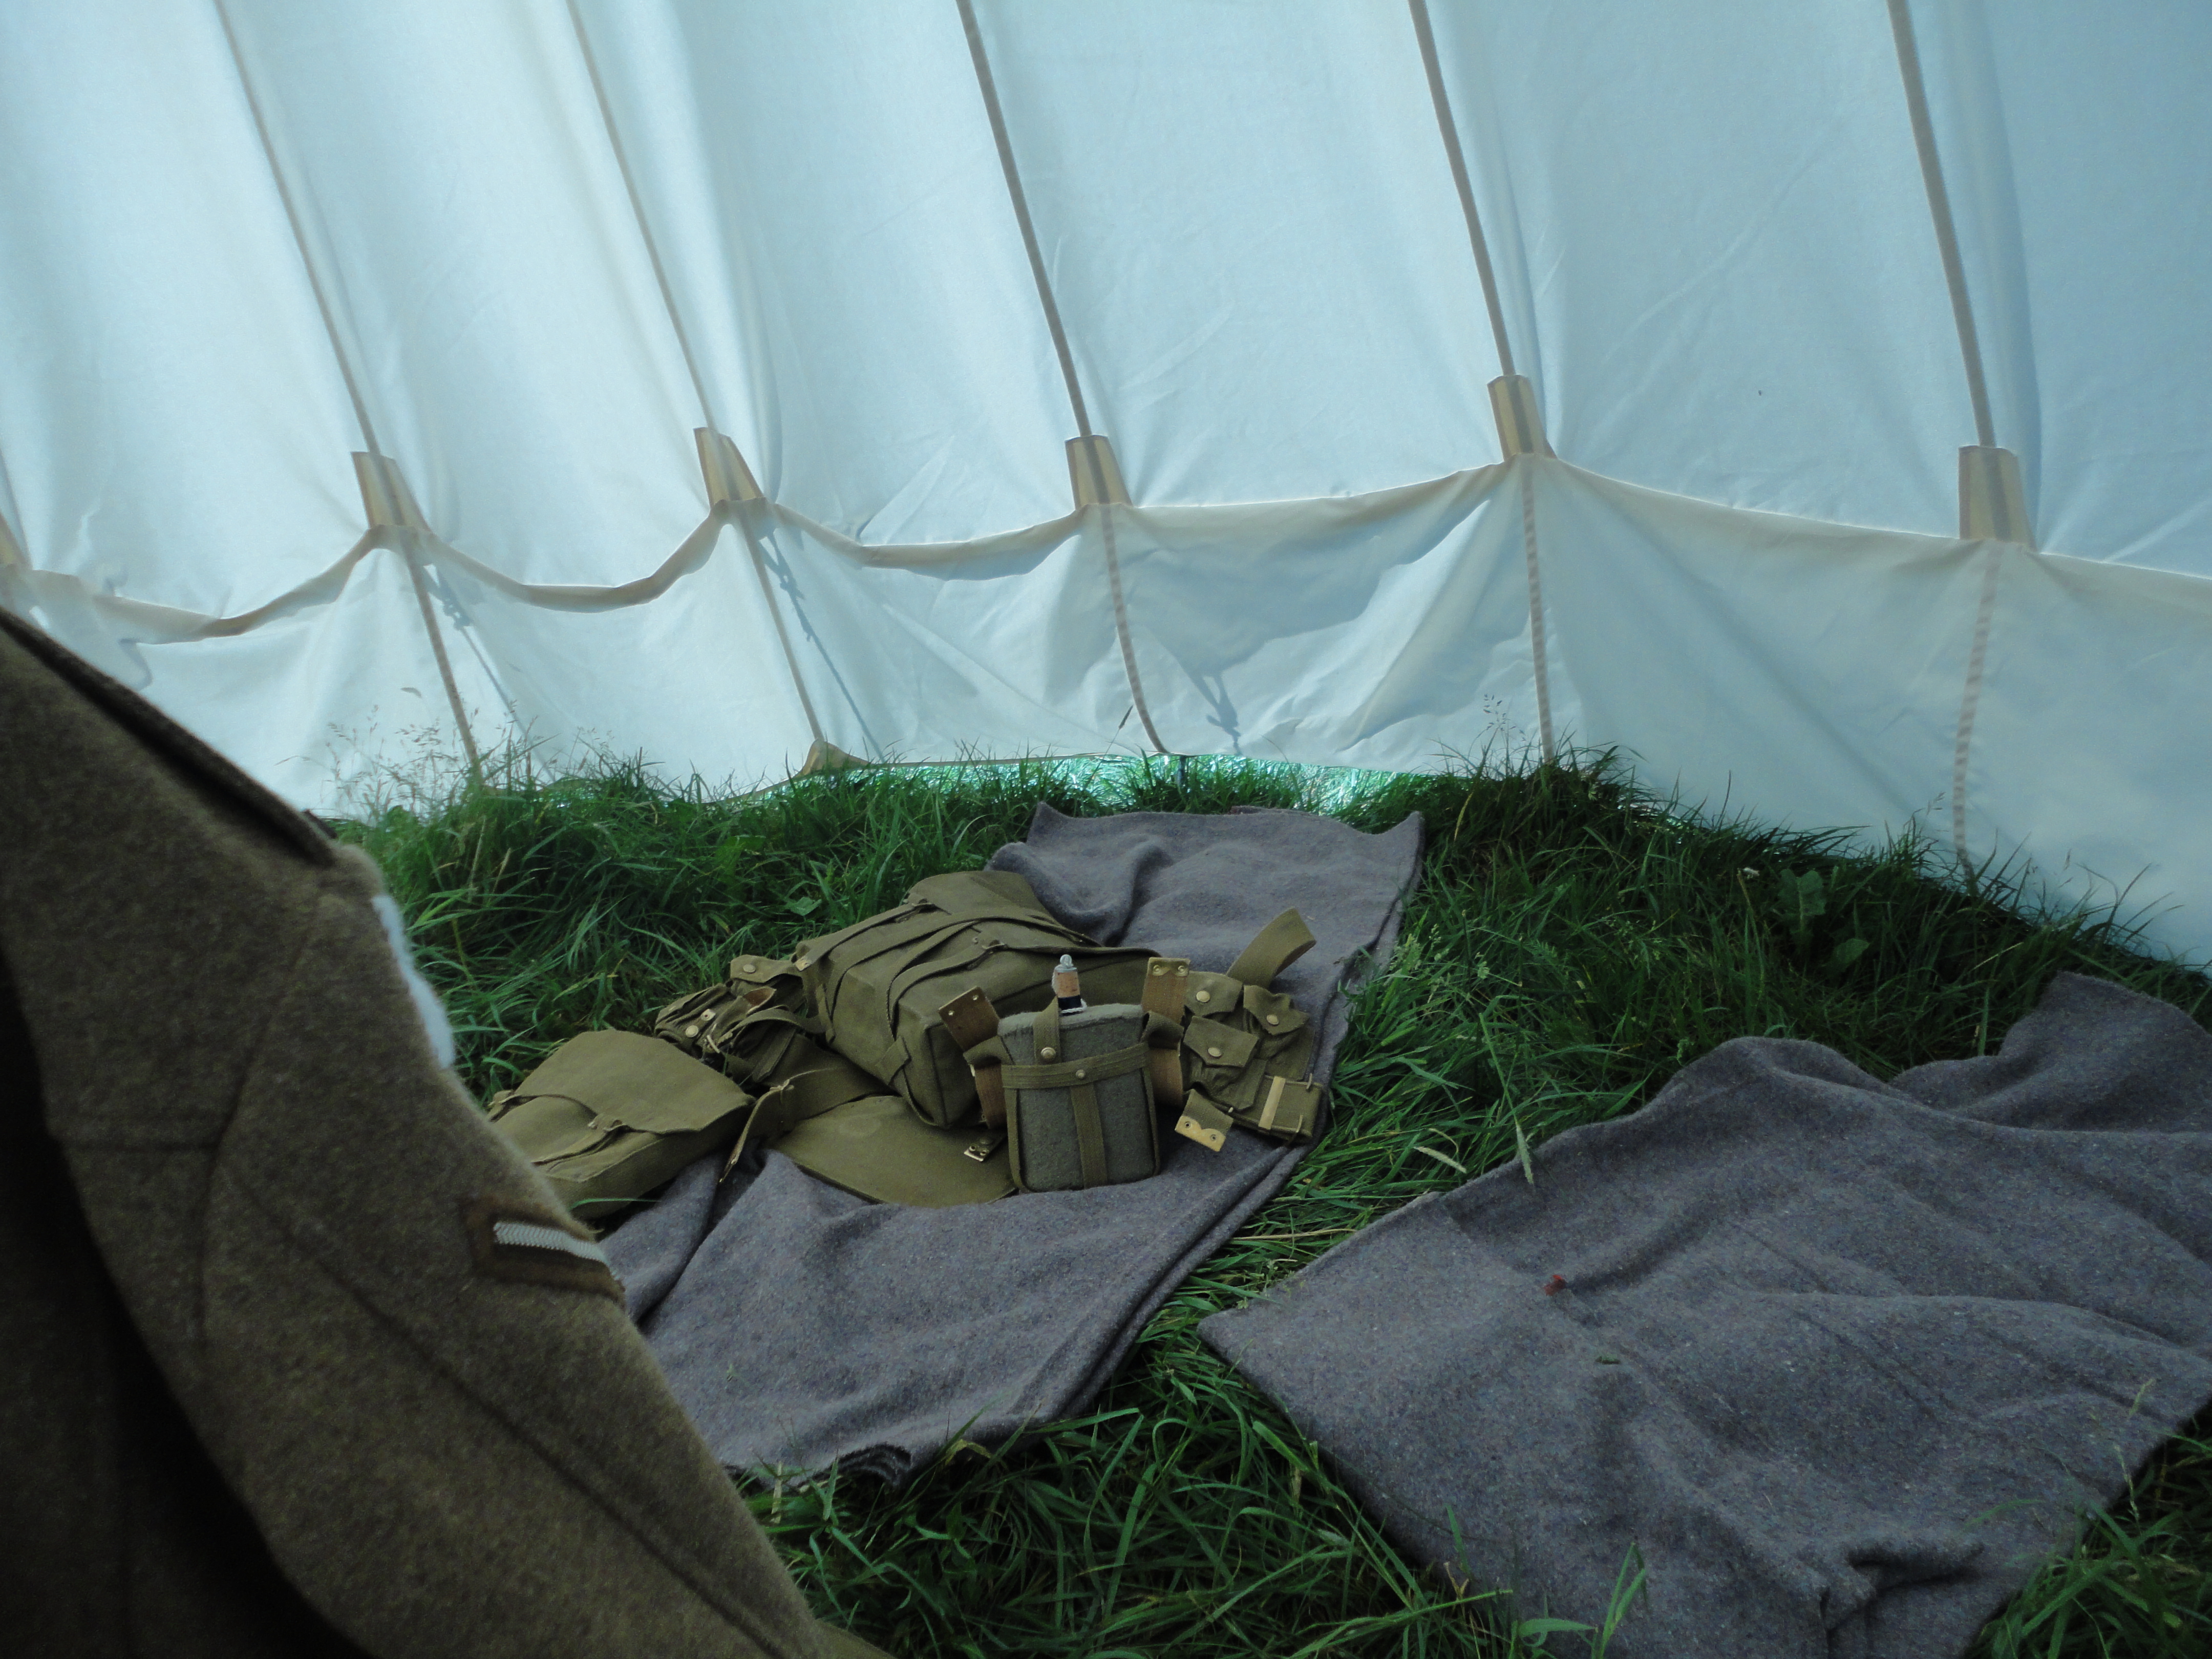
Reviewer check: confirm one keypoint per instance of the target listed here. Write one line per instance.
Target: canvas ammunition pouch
(878, 986)
(610, 1115)
(1247, 1051)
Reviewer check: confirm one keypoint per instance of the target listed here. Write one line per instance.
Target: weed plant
(1573, 944)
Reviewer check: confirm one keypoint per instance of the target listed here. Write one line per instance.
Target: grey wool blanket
(1839, 1360)
(802, 1326)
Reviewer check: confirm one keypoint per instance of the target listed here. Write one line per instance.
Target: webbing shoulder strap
(1278, 945)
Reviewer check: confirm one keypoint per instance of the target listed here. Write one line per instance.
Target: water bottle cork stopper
(1065, 983)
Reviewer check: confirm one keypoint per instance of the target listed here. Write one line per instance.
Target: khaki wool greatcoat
(300, 1357)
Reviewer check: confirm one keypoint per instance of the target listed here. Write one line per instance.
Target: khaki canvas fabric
(273, 1382)
(609, 1116)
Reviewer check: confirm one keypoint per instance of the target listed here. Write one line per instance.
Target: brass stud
(690, 1030)
(1273, 1020)
(1047, 1053)
(1205, 996)
(1213, 1053)
(1079, 1071)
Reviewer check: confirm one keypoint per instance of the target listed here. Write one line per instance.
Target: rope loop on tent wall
(1090, 477)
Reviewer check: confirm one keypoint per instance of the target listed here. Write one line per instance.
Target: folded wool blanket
(1839, 1360)
(802, 1326)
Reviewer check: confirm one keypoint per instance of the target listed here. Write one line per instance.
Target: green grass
(1573, 944)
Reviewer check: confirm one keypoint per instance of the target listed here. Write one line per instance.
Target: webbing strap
(1046, 1032)
(810, 953)
(1076, 1073)
(1090, 1134)
(933, 958)
(1279, 944)
(804, 1095)
(754, 970)
(1166, 980)
(991, 1095)
(970, 1019)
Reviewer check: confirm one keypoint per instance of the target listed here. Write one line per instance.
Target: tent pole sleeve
(1939, 209)
(299, 233)
(1512, 398)
(381, 490)
(989, 87)
(1091, 467)
(637, 208)
(730, 482)
(1448, 130)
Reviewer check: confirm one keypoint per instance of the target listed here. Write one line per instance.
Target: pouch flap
(1271, 1011)
(544, 1128)
(636, 1083)
(759, 970)
(695, 1010)
(1213, 993)
(1212, 1042)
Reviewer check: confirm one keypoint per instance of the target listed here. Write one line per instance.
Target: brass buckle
(981, 1150)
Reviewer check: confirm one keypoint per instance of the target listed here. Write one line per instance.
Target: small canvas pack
(610, 1115)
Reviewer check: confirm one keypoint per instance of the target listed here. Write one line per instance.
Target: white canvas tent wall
(698, 377)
